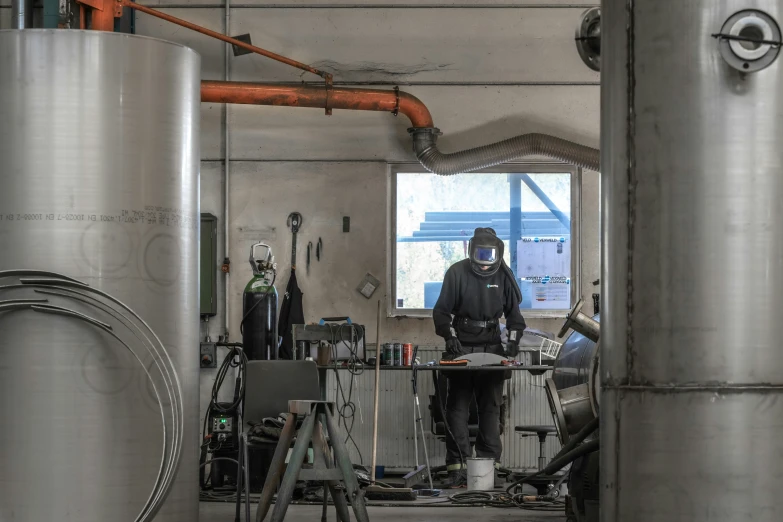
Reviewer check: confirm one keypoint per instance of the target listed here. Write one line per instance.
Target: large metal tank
(692, 275)
(99, 180)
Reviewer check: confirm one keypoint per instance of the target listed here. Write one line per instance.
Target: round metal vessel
(571, 392)
(692, 184)
(573, 363)
(99, 147)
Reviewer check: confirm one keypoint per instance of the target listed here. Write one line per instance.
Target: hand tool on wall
(309, 248)
(294, 223)
(292, 310)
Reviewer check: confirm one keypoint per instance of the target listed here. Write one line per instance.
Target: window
(533, 207)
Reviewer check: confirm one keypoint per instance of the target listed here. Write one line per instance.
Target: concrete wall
(487, 72)
(487, 69)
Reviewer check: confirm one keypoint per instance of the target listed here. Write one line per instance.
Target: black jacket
(467, 295)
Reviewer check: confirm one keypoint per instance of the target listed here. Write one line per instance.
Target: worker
(476, 292)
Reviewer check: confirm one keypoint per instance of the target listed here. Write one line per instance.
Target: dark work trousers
(487, 386)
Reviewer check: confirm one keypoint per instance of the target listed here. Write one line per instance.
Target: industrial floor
(216, 512)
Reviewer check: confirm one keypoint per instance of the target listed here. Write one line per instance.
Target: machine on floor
(573, 394)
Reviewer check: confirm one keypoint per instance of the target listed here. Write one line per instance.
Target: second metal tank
(99, 181)
(692, 275)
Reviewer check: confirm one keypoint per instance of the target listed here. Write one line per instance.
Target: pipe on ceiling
(423, 131)
(319, 97)
(328, 97)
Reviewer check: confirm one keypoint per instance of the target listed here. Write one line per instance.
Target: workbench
(322, 370)
(313, 333)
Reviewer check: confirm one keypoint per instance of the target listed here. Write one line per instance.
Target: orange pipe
(224, 38)
(318, 97)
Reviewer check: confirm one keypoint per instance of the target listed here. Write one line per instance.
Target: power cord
(237, 352)
(347, 411)
(235, 358)
(505, 500)
(438, 392)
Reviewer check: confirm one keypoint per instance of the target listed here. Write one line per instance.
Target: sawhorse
(337, 474)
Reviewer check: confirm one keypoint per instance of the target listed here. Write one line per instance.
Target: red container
(407, 354)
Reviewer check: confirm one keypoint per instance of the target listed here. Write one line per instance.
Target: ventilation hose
(424, 145)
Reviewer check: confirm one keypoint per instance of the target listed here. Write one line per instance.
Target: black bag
(291, 313)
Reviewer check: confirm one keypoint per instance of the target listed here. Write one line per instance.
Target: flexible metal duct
(99, 145)
(692, 268)
(424, 135)
(424, 145)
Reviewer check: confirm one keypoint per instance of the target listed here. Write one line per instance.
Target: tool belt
(464, 321)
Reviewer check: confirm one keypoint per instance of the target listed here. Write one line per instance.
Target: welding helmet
(486, 252)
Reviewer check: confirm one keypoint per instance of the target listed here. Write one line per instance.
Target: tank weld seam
(686, 388)
(631, 175)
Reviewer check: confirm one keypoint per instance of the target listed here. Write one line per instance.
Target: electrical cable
(228, 362)
(246, 462)
(60, 286)
(347, 411)
(504, 500)
(439, 393)
(229, 459)
(235, 358)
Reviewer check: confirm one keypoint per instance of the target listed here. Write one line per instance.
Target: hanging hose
(424, 145)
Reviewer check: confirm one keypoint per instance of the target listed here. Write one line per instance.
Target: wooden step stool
(337, 474)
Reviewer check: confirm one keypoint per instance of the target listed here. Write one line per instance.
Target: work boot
(458, 478)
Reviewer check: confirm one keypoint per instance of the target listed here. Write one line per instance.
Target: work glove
(453, 347)
(512, 348)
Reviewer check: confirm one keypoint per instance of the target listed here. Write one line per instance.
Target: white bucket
(481, 474)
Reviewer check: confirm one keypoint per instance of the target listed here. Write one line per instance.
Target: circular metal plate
(746, 56)
(588, 38)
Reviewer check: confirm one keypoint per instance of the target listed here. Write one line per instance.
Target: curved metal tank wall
(572, 366)
(99, 174)
(692, 231)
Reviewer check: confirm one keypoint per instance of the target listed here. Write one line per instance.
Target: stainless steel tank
(572, 391)
(99, 180)
(692, 270)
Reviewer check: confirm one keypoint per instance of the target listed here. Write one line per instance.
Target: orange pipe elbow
(320, 97)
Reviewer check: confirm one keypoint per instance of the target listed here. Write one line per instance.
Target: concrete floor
(214, 512)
